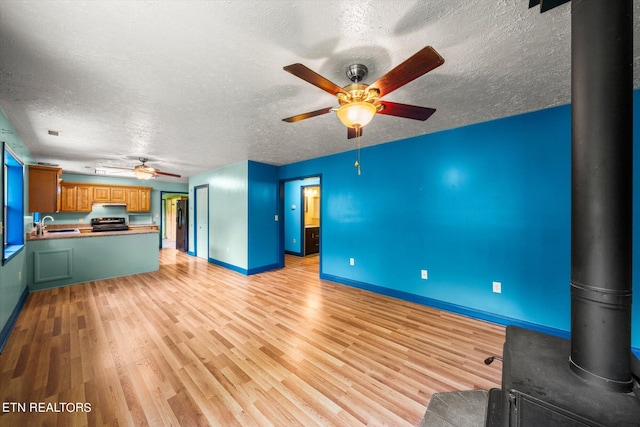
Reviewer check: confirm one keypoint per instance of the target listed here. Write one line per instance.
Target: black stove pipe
(601, 191)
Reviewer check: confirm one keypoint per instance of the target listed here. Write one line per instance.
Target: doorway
(310, 232)
(300, 227)
(170, 218)
(201, 222)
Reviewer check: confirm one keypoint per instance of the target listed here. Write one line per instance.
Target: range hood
(108, 204)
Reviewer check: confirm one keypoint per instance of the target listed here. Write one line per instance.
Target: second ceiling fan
(144, 172)
(359, 102)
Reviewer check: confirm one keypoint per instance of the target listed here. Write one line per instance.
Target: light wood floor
(195, 344)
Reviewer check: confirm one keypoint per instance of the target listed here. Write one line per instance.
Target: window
(13, 203)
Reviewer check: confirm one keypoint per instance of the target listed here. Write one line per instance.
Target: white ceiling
(198, 85)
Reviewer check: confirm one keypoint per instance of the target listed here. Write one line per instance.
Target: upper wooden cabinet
(75, 197)
(79, 197)
(48, 194)
(68, 197)
(101, 193)
(84, 198)
(138, 199)
(119, 195)
(44, 189)
(109, 194)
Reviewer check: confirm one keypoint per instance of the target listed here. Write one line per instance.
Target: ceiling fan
(145, 172)
(359, 102)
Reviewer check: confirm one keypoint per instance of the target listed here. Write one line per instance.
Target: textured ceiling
(198, 85)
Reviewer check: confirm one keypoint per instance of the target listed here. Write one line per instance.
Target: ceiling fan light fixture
(143, 173)
(356, 114)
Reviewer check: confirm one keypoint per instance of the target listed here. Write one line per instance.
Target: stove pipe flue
(601, 201)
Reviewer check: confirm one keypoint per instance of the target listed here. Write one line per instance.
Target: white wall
(228, 213)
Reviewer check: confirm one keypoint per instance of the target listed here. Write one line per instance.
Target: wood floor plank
(197, 344)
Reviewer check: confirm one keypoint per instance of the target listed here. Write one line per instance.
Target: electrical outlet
(294, 240)
(424, 274)
(19, 276)
(352, 261)
(497, 287)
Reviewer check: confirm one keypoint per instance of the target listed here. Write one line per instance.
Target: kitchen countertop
(136, 229)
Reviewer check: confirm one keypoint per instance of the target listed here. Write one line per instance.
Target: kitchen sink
(63, 231)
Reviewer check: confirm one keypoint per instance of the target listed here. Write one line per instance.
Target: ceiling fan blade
(116, 167)
(167, 174)
(354, 132)
(307, 115)
(314, 78)
(407, 111)
(420, 63)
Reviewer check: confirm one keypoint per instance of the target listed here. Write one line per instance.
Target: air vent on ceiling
(54, 132)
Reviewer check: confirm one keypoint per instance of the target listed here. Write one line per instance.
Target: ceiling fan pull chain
(357, 163)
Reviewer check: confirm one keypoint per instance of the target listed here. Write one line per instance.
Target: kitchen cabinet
(79, 197)
(109, 194)
(76, 197)
(84, 198)
(101, 193)
(118, 195)
(138, 199)
(145, 199)
(133, 199)
(44, 189)
(68, 197)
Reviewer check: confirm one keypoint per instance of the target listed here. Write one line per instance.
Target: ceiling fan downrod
(357, 72)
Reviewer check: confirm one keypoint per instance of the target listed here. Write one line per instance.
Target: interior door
(202, 222)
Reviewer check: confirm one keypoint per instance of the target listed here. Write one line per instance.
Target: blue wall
(263, 225)
(473, 205)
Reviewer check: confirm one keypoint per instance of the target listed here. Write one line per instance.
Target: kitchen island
(65, 258)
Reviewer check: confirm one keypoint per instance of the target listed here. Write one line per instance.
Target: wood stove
(592, 379)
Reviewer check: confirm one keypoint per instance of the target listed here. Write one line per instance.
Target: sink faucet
(42, 223)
